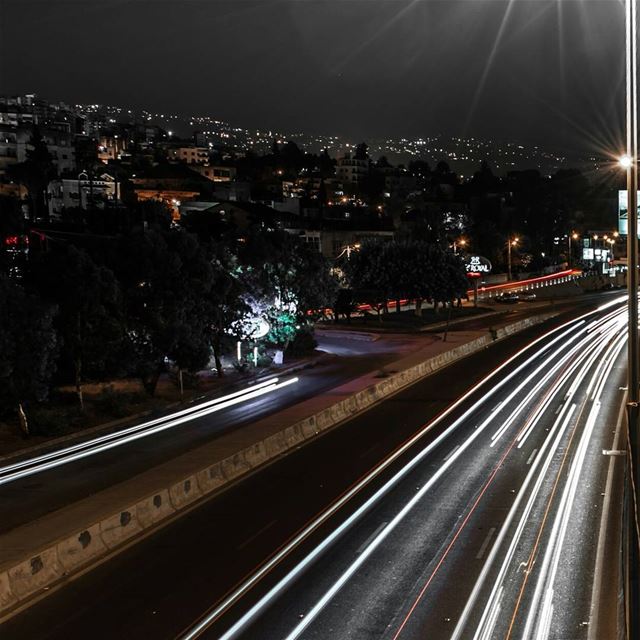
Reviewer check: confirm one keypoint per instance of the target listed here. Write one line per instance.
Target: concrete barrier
(81, 549)
(36, 573)
(120, 527)
(95, 540)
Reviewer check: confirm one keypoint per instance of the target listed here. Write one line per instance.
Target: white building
(189, 155)
(351, 169)
(81, 193)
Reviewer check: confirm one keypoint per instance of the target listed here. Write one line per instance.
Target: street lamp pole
(509, 243)
(572, 236)
(633, 399)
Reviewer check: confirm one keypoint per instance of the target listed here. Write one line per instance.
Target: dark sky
(539, 71)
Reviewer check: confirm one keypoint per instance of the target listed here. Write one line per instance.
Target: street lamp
(459, 243)
(511, 242)
(570, 237)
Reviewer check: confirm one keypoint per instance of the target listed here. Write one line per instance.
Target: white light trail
(258, 607)
(601, 372)
(60, 457)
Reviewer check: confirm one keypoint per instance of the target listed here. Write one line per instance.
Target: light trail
(564, 331)
(542, 614)
(312, 613)
(66, 455)
(616, 343)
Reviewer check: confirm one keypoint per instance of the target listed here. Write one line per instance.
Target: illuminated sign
(623, 211)
(477, 266)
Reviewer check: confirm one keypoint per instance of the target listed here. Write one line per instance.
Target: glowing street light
(461, 242)
(626, 161)
(512, 242)
(572, 236)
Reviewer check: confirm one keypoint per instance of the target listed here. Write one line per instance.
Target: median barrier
(34, 574)
(211, 478)
(95, 540)
(82, 549)
(154, 509)
(7, 598)
(185, 492)
(120, 527)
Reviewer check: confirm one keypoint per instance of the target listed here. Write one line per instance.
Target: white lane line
(451, 452)
(367, 542)
(532, 456)
(365, 453)
(558, 409)
(485, 544)
(257, 534)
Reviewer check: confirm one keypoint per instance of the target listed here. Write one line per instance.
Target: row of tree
(153, 300)
(405, 269)
(139, 303)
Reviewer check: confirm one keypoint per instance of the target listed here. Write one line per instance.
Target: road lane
(156, 588)
(346, 596)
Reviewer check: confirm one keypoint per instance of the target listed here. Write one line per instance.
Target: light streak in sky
(59, 457)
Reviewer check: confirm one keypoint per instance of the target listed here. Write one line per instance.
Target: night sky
(537, 71)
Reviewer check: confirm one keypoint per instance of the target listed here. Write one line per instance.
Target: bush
(189, 380)
(303, 343)
(52, 422)
(112, 403)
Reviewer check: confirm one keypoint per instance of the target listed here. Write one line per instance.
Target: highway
(483, 522)
(35, 484)
(488, 530)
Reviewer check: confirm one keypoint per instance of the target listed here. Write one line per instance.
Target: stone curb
(44, 568)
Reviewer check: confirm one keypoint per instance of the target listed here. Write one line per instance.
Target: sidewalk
(44, 553)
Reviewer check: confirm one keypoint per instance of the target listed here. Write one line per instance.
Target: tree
(89, 322)
(166, 280)
(369, 275)
(35, 173)
(28, 349)
(292, 277)
(229, 300)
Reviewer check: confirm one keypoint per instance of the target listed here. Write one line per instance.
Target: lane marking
(366, 543)
(451, 452)
(364, 454)
(257, 534)
(532, 456)
(485, 544)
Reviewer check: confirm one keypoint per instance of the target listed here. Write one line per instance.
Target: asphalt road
(157, 588)
(29, 498)
(26, 499)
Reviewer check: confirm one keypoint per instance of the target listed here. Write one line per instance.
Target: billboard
(623, 210)
(477, 266)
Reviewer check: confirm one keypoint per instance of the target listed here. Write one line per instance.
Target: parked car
(508, 297)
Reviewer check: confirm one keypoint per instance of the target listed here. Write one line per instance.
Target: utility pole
(633, 399)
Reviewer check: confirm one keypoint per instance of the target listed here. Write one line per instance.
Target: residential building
(82, 192)
(189, 155)
(215, 173)
(352, 169)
